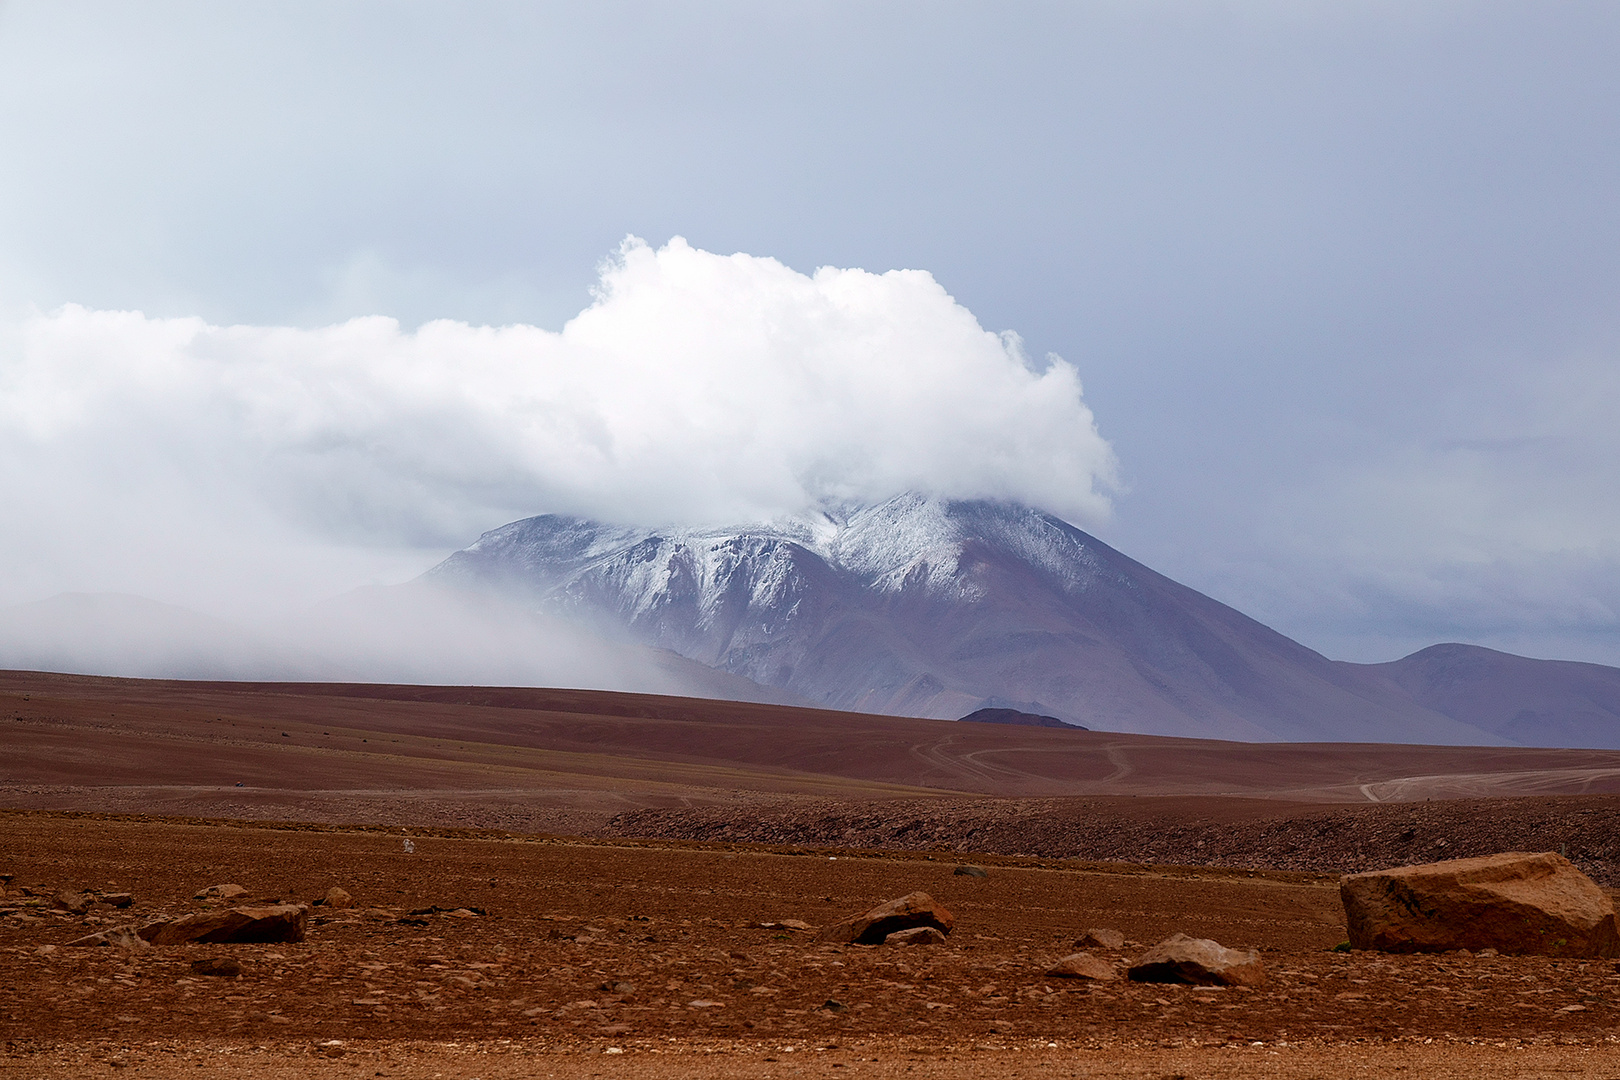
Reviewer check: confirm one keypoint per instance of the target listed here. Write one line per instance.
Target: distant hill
(1531, 702)
(1013, 716)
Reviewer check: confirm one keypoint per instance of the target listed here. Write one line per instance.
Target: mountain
(932, 607)
(1534, 702)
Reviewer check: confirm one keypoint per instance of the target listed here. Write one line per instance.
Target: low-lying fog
(415, 633)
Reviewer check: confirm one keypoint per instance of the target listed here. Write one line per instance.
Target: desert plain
(568, 883)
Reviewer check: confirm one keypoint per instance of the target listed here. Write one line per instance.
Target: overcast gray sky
(1339, 282)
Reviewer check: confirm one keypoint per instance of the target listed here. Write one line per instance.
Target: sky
(1312, 307)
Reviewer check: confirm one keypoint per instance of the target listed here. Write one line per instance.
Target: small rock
(222, 966)
(968, 870)
(914, 909)
(1082, 965)
(117, 899)
(833, 1005)
(786, 924)
(275, 922)
(1197, 962)
(221, 892)
(123, 937)
(70, 901)
(1099, 938)
(337, 898)
(917, 935)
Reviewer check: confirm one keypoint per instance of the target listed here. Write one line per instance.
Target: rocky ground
(663, 935)
(1177, 831)
(505, 956)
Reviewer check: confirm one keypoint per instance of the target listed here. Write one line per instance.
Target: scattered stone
(122, 937)
(275, 922)
(117, 899)
(917, 935)
(1197, 962)
(71, 901)
(914, 909)
(221, 892)
(786, 924)
(1082, 965)
(1100, 938)
(704, 1003)
(968, 870)
(458, 912)
(337, 898)
(1517, 903)
(833, 1005)
(222, 966)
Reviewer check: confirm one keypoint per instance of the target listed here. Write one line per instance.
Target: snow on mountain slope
(935, 607)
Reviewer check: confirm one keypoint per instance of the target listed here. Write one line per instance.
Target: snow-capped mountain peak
(937, 607)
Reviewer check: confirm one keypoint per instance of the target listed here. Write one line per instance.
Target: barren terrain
(493, 950)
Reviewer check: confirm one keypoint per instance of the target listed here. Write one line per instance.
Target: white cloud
(194, 462)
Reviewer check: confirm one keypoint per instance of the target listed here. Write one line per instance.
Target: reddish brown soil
(335, 748)
(533, 987)
(568, 924)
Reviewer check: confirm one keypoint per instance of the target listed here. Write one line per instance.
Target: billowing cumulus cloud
(184, 460)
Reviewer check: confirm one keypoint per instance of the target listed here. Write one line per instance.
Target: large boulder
(1197, 962)
(1516, 903)
(915, 909)
(272, 922)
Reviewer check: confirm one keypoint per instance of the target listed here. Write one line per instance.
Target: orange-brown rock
(1100, 938)
(1197, 962)
(337, 897)
(914, 909)
(274, 922)
(917, 935)
(1516, 903)
(230, 891)
(1082, 965)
